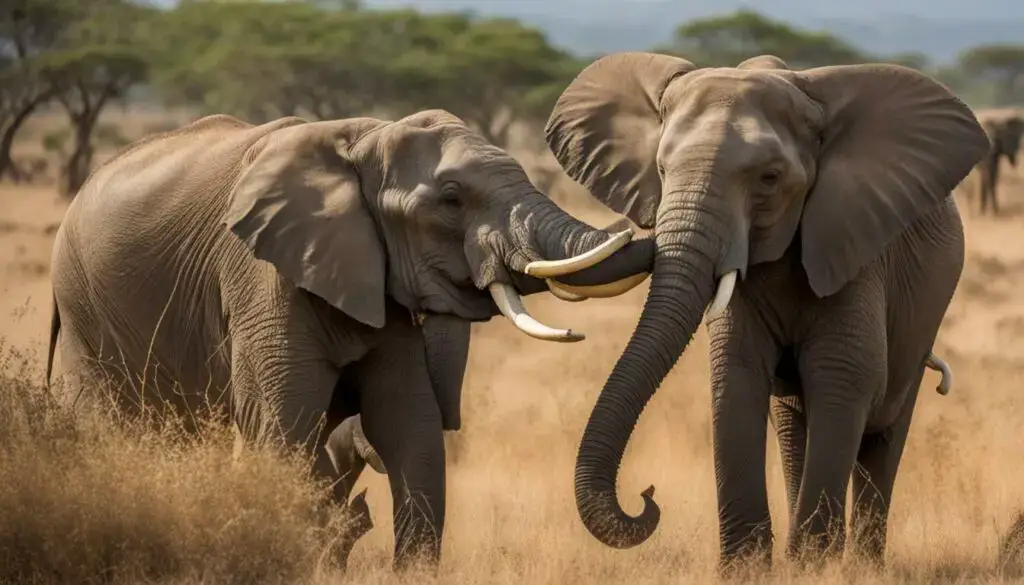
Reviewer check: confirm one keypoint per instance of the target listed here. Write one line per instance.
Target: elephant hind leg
(873, 480)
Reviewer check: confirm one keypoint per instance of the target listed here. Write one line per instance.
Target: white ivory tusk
(511, 306)
(936, 363)
(722, 296)
(600, 291)
(562, 294)
(549, 268)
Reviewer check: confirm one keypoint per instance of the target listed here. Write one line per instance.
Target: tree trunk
(79, 164)
(7, 166)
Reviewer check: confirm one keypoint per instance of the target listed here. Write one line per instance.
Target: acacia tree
(29, 29)
(1001, 65)
(490, 72)
(259, 61)
(723, 41)
(95, 62)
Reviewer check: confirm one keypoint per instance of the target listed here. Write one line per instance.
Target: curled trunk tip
(605, 520)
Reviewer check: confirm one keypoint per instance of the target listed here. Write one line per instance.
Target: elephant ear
(605, 128)
(299, 206)
(895, 144)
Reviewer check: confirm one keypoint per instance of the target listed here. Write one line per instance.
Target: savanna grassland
(82, 500)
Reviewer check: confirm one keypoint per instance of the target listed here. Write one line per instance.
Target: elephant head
(1005, 128)
(731, 167)
(424, 211)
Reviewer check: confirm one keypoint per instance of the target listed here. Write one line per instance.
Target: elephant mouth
(508, 302)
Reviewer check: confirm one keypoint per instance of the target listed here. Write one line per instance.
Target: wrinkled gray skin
(1005, 127)
(307, 272)
(829, 191)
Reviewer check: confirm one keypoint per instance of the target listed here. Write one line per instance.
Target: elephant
(299, 273)
(1005, 127)
(350, 452)
(827, 192)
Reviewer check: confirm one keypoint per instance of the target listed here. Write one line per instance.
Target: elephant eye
(770, 177)
(450, 194)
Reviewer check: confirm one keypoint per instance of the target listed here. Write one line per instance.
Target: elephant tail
(936, 363)
(54, 330)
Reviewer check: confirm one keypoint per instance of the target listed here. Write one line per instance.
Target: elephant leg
(877, 464)
(402, 421)
(743, 356)
(293, 412)
(790, 424)
(993, 186)
(989, 178)
(843, 368)
(983, 187)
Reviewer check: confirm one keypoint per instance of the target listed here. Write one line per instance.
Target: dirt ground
(511, 515)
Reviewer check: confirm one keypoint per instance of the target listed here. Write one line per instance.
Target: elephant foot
(751, 556)
(357, 524)
(417, 542)
(812, 552)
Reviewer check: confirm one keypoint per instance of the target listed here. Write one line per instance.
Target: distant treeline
(324, 59)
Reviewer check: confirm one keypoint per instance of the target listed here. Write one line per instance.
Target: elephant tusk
(511, 306)
(600, 291)
(936, 363)
(562, 294)
(725, 287)
(549, 268)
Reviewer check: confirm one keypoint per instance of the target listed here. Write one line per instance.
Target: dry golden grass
(82, 500)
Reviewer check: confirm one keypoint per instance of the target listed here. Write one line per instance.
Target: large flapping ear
(299, 206)
(894, 145)
(606, 126)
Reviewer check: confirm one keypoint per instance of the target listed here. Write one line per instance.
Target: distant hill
(937, 28)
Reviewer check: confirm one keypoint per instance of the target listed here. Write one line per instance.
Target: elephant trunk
(575, 254)
(681, 287)
(552, 244)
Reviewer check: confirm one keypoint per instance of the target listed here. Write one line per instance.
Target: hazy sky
(812, 9)
(939, 28)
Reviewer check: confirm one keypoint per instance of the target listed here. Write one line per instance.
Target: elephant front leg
(787, 416)
(742, 358)
(290, 409)
(843, 370)
(402, 421)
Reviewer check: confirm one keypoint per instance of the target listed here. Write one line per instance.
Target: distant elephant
(306, 272)
(1005, 127)
(827, 191)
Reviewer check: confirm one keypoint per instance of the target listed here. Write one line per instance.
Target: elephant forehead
(747, 133)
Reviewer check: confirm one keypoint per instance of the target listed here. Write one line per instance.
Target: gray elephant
(828, 192)
(300, 273)
(1005, 127)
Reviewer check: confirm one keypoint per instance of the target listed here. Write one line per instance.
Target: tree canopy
(726, 40)
(321, 59)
